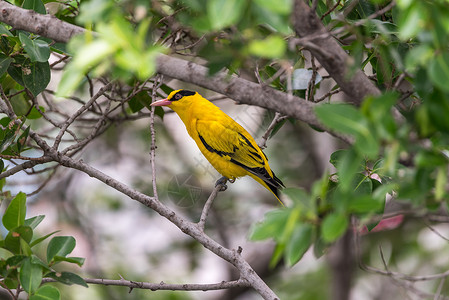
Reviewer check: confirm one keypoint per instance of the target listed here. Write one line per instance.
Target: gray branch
(330, 54)
(44, 25)
(162, 285)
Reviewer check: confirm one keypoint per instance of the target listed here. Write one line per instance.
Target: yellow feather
(230, 149)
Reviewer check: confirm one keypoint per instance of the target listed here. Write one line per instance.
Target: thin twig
(157, 83)
(26, 165)
(202, 222)
(435, 231)
(439, 289)
(82, 109)
(333, 92)
(164, 286)
(311, 84)
(278, 118)
(330, 10)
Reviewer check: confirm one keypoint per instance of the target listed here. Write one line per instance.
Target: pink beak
(163, 102)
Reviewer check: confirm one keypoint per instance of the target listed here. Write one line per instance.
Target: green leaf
(37, 77)
(334, 226)
(342, 117)
(9, 135)
(278, 22)
(437, 110)
(22, 139)
(320, 247)
(15, 213)
(277, 6)
(439, 70)
(36, 49)
(300, 197)
(60, 246)
(34, 113)
(348, 166)
(272, 226)
(36, 5)
(21, 104)
(362, 185)
(364, 204)
(37, 261)
(347, 119)
(25, 247)
(337, 156)
(430, 159)
(68, 278)
(273, 46)
(277, 255)
(5, 61)
(73, 260)
(88, 56)
(299, 243)
(15, 71)
(15, 261)
(39, 240)
(159, 111)
(4, 31)
(224, 13)
(13, 238)
(410, 21)
(139, 101)
(46, 292)
(30, 276)
(440, 183)
(277, 127)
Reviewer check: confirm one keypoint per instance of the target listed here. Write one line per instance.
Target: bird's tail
(273, 185)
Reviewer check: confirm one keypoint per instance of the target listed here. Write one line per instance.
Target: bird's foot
(222, 182)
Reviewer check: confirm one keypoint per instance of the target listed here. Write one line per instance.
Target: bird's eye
(178, 96)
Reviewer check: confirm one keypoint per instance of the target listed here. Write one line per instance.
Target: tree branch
(44, 25)
(192, 229)
(164, 286)
(334, 59)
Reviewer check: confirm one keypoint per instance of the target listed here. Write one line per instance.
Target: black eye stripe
(182, 93)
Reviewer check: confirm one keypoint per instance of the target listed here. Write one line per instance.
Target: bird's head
(177, 100)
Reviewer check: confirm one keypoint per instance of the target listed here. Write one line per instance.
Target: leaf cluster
(21, 269)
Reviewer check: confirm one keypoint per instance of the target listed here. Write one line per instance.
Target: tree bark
(330, 54)
(341, 259)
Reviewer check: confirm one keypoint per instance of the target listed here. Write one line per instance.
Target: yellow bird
(230, 149)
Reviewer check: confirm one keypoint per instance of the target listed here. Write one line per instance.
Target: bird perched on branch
(230, 149)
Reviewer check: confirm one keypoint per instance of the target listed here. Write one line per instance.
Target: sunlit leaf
(276, 6)
(224, 13)
(273, 46)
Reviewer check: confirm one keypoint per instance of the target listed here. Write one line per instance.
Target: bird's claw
(222, 182)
